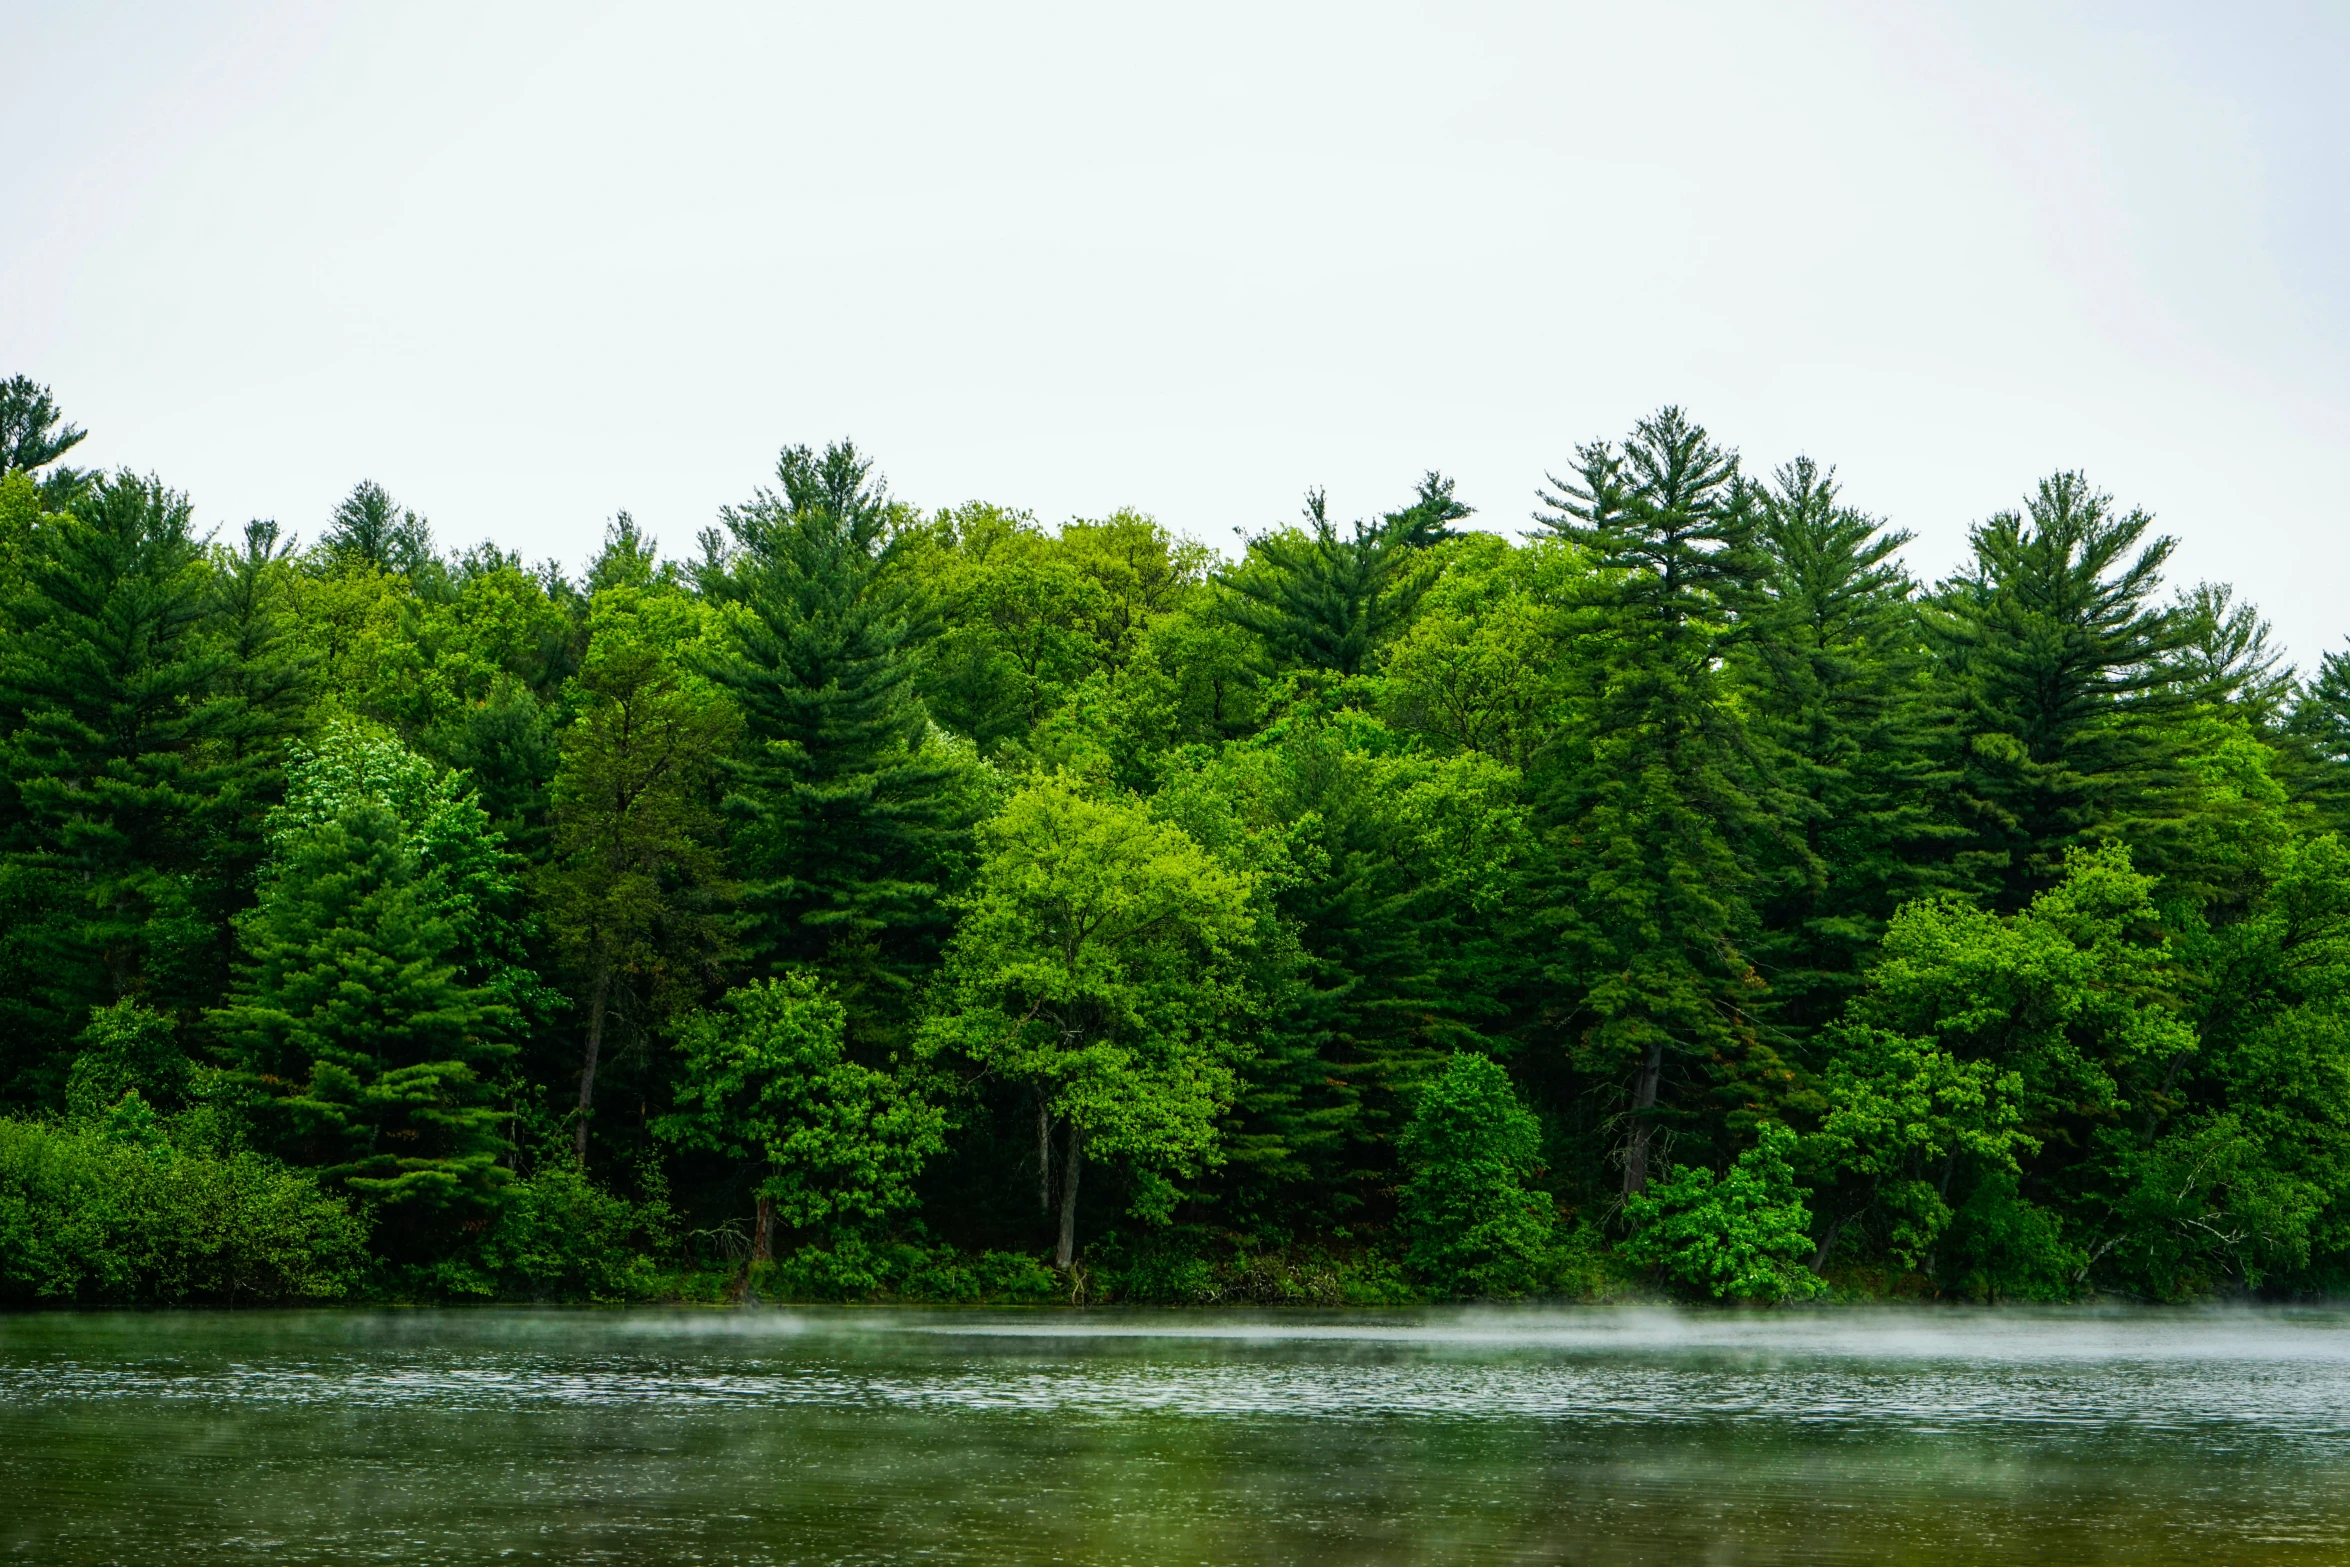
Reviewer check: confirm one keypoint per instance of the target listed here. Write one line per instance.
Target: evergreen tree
(2059, 663)
(2314, 745)
(33, 434)
(1651, 797)
(1327, 602)
(2224, 656)
(847, 807)
(633, 885)
(372, 532)
(374, 1009)
(1667, 509)
(267, 682)
(1473, 1226)
(1395, 879)
(1830, 665)
(118, 759)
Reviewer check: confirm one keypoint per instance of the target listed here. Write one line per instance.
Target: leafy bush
(765, 1077)
(1742, 1236)
(126, 1046)
(1193, 1266)
(1472, 1227)
(2003, 1246)
(558, 1236)
(853, 1269)
(113, 1210)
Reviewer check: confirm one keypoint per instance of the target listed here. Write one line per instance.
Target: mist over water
(1525, 1435)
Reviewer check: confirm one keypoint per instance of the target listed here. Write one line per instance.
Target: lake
(1598, 1435)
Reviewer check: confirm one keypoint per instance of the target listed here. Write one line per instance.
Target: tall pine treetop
(33, 434)
(370, 530)
(1668, 505)
(1327, 602)
(849, 808)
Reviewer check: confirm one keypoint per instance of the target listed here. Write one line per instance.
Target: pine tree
(372, 532)
(1669, 510)
(2314, 745)
(1327, 602)
(847, 809)
(1651, 796)
(2225, 658)
(1829, 665)
(117, 722)
(1394, 882)
(634, 886)
(2059, 663)
(373, 1011)
(33, 434)
(266, 682)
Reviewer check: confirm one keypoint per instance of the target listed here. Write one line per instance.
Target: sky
(528, 265)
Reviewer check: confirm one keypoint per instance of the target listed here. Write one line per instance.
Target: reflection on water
(1598, 1436)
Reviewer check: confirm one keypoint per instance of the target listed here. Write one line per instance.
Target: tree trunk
(1819, 1259)
(763, 1233)
(1644, 1087)
(1044, 1157)
(587, 1065)
(1066, 1255)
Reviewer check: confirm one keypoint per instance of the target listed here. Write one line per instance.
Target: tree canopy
(1684, 890)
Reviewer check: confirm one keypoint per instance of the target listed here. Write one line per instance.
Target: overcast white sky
(530, 264)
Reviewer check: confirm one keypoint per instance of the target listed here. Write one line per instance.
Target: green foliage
(763, 1078)
(557, 1236)
(127, 1049)
(375, 1004)
(114, 1209)
(1327, 603)
(1903, 1115)
(2003, 1246)
(1097, 966)
(33, 434)
(1656, 806)
(854, 1269)
(951, 885)
(2074, 1005)
(1185, 1266)
(117, 752)
(2060, 666)
(1390, 873)
(634, 887)
(372, 532)
(1473, 1227)
(1739, 1236)
(848, 809)
(1828, 668)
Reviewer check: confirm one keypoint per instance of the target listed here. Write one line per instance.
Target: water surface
(853, 1436)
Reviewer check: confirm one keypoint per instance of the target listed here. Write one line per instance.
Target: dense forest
(877, 902)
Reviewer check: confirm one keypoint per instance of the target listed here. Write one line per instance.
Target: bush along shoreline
(1662, 892)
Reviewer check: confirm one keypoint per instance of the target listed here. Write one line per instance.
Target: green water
(1598, 1436)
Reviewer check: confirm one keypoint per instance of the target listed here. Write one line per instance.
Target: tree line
(1682, 891)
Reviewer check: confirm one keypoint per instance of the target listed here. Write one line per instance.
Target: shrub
(1743, 1236)
(114, 1210)
(2002, 1246)
(854, 1269)
(1472, 1227)
(558, 1236)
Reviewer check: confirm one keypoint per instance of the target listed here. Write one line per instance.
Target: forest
(872, 902)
